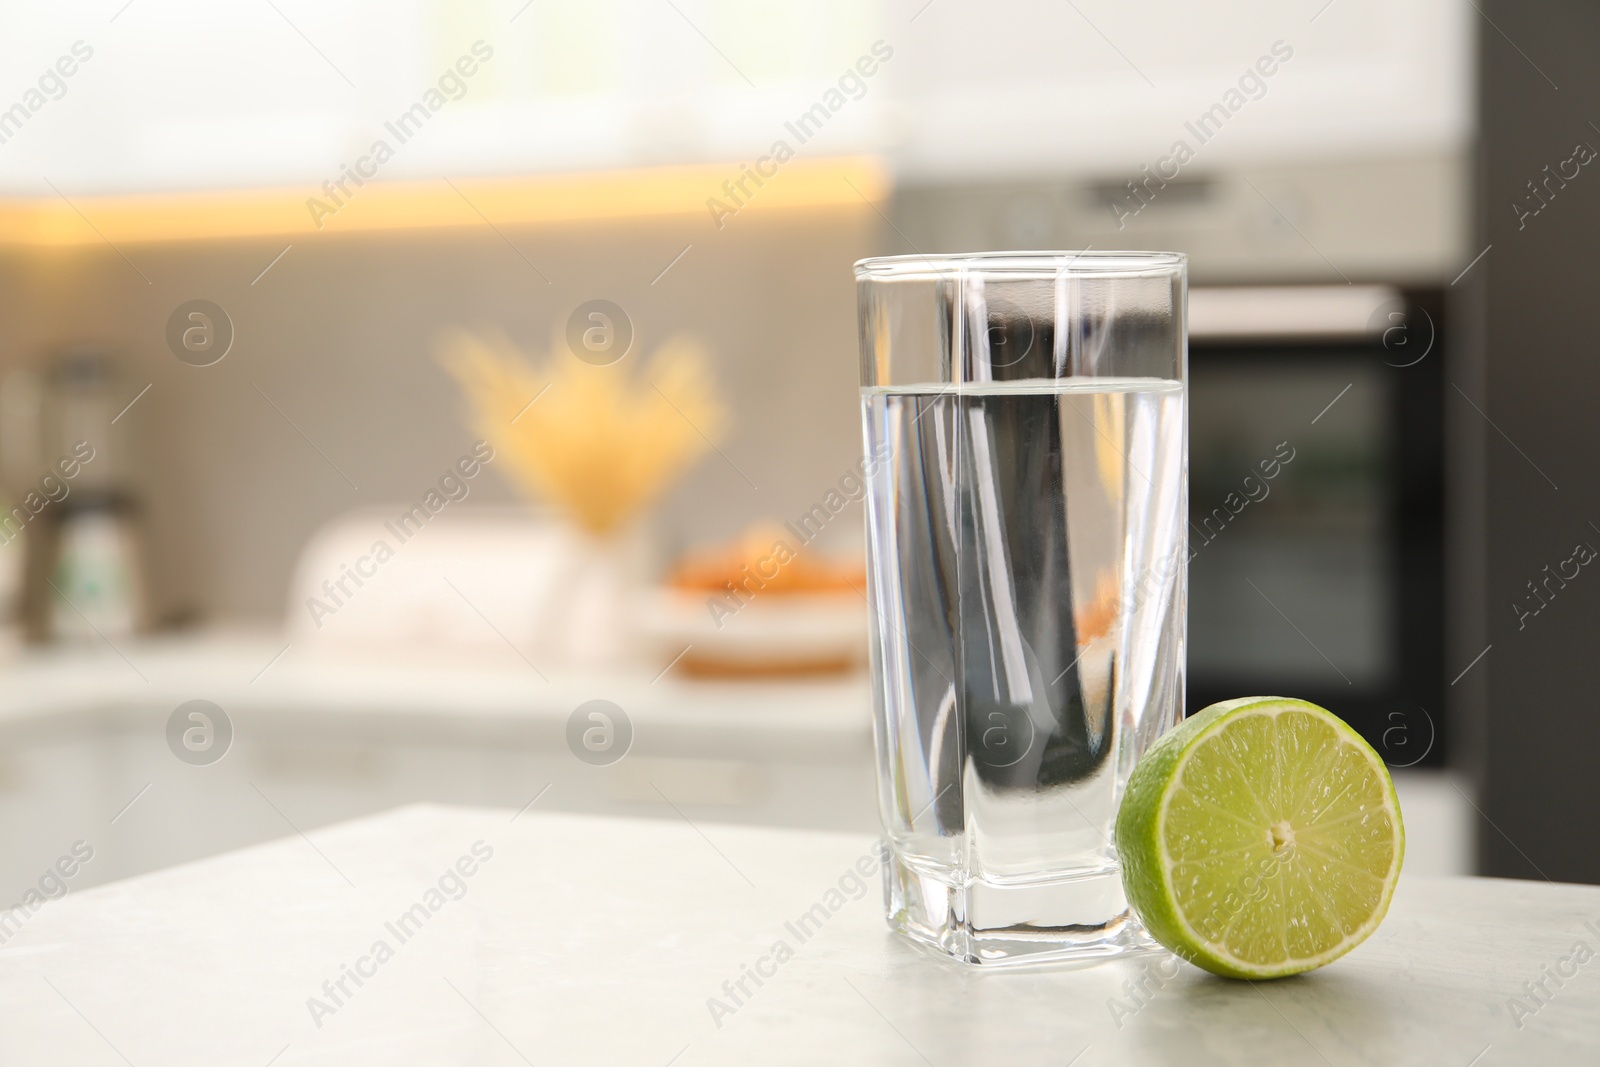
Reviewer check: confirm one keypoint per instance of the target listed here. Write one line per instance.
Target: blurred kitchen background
(283, 266)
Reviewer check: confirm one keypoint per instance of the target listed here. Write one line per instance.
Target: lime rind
(1328, 875)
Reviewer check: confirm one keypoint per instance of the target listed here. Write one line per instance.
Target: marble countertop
(436, 936)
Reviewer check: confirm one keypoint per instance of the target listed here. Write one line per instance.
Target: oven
(1316, 506)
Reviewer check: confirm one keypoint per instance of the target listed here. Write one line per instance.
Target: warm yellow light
(51, 221)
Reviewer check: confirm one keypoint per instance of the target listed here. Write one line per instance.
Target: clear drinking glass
(1026, 433)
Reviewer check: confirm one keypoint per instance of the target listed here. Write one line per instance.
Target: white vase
(593, 619)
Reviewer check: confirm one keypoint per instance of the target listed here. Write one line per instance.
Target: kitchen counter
(481, 936)
(319, 740)
(490, 696)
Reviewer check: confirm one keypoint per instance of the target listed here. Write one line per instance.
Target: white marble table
(587, 940)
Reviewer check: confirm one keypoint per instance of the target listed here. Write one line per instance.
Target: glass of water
(1026, 435)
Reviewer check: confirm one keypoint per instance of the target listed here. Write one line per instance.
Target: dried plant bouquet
(596, 442)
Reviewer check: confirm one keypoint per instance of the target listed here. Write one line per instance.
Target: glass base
(1080, 918)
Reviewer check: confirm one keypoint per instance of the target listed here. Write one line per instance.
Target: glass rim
(1096, 262)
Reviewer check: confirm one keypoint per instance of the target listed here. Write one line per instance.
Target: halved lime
(1260, 838)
